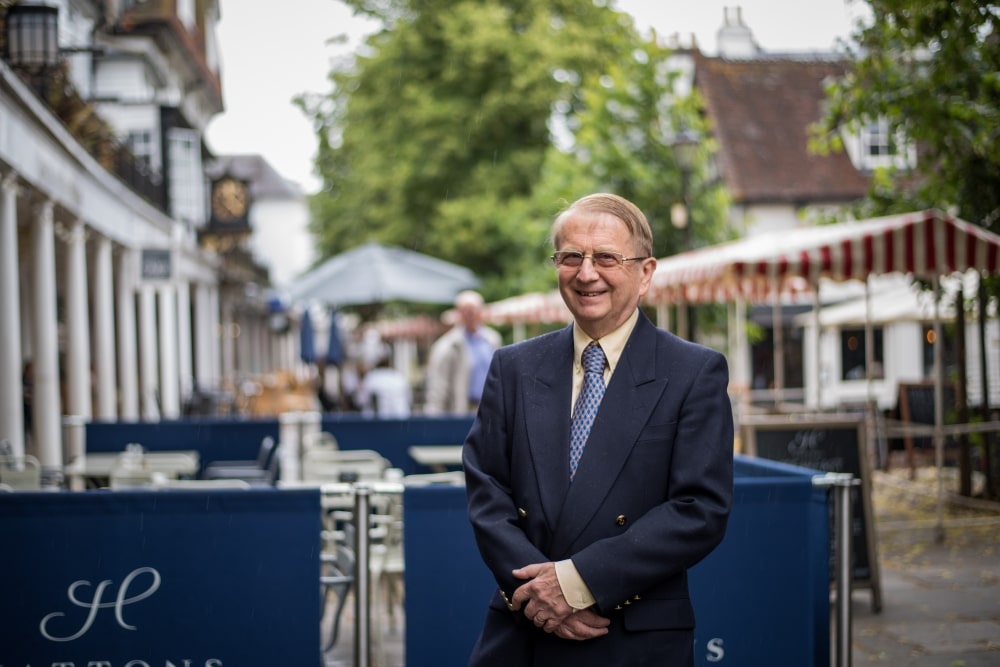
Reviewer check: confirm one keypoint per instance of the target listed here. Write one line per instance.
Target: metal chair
(337, 563)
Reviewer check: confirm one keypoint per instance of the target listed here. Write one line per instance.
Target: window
(853, 357)
(877, 146)
(791, 351)
(949, 354)
(186, 180)
(141, 145)
(877, 141)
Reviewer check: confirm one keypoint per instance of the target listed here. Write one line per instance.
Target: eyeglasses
(605, 259)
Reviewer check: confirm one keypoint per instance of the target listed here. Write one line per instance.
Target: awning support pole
(939, 410)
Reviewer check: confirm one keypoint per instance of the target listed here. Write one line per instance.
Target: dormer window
(876, 140)
(876, 146)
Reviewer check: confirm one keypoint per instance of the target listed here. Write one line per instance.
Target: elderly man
(599, 467)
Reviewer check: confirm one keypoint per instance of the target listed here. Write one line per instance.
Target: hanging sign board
(156, 264)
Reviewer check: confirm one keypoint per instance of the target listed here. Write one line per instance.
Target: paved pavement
(940, 600)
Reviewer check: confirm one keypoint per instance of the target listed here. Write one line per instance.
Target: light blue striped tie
(587, 403)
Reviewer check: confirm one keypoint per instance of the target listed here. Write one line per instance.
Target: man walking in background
(459, 360)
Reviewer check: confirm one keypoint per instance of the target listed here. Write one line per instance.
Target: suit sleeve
(487, 460)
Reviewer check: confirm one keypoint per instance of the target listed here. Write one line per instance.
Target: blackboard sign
(916, 406)
(827, 443)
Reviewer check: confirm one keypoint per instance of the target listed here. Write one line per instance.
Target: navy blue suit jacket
(650, 498)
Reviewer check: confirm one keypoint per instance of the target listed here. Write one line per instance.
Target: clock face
(230, 199)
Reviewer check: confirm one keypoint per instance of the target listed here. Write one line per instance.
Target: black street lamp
(685, 149)
(32, 36)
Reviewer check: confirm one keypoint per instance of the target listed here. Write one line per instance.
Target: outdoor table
(94, 469)
(439, 458)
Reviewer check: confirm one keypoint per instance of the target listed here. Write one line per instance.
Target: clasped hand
(546, 606)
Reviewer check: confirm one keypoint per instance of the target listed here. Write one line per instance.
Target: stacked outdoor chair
(264, 470)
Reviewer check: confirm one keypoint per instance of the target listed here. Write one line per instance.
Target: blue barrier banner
(152, 578)
(439, 539)
(237, 438)
(762, 598)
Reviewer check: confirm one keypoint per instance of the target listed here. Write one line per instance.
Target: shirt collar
(613, 344)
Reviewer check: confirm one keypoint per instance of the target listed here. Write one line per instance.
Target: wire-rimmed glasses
(604, 259)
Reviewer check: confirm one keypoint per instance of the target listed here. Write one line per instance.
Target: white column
(149, 377)
(184, 363)
(227, 342)
(77, 339)
(104, 331)
(204, 328)
(219, 337)
(46, 402)
(170, 404)
(290, 439)
(128, 370)
(11, 396)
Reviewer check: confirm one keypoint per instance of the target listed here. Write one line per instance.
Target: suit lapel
(631, 395)
(547, 416)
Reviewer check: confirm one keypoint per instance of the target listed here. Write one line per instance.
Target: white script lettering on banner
(93, 606)
(715, 651)
(211, 662)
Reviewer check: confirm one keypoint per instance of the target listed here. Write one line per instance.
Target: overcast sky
(274, 51)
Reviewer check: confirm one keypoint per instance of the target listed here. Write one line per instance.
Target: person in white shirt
(385, 392)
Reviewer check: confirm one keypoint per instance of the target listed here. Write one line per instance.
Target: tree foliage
(624, 139)
(435, 135)
(931, 68)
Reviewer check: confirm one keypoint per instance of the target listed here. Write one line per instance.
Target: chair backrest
(20, 473)
(265, 451)
(274, 466)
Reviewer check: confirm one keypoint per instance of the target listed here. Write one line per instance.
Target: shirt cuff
(574, 590)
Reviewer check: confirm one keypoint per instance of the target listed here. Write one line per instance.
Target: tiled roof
(760, 112)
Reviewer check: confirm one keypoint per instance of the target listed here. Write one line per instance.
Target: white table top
(100, 464)
(436, 454)
(437, 457)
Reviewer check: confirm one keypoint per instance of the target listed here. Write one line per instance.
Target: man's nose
(588, 268)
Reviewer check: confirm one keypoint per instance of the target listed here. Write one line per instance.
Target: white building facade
(111, 309)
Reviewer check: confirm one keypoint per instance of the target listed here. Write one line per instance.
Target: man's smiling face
(601, 298)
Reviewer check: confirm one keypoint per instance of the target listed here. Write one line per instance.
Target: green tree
(438, 129)
(931, 70)
(624, 138)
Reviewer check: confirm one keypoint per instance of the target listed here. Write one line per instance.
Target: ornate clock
(230, 200)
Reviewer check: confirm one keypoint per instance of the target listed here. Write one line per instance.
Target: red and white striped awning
(924, 244)
(531, 308)
(418, 326)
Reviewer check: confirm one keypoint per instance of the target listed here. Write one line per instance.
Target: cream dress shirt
(573, 587)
